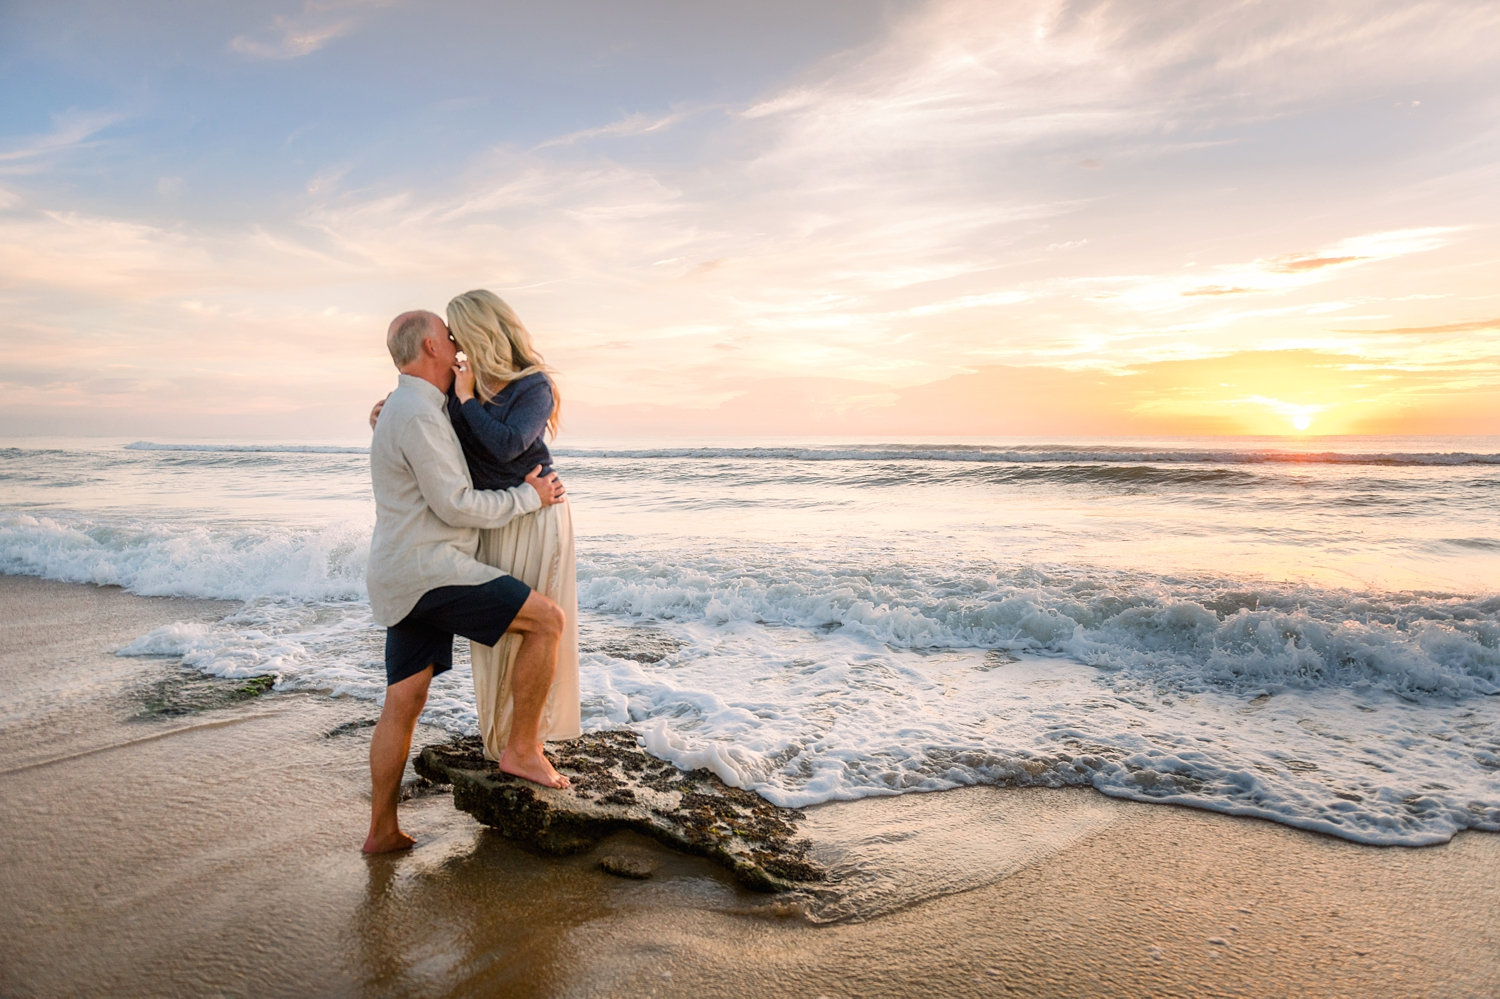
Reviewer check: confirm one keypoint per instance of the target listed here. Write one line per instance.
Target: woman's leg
(562, 716)
(540, 626)
(492, 665)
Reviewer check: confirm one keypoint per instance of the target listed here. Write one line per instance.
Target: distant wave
(1042, 454)
(249, 448)
(1049, 454)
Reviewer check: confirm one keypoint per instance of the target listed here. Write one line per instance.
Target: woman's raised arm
(523, 425)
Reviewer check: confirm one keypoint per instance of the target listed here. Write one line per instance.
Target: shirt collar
(422, 387)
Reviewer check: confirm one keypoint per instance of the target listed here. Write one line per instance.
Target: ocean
(1306, 631)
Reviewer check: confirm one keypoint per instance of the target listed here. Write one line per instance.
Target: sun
(1299, 415)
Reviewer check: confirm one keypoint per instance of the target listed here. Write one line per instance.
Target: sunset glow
(938, 218)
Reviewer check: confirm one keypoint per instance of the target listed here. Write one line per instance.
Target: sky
(828, 217)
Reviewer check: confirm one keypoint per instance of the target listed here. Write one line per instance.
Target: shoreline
(218, 852)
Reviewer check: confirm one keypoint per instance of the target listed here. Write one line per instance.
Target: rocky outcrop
(616, 785)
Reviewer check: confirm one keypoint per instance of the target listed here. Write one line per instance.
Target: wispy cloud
(1297, 264)
(289, 40)
(291, 36)
(131, 261)
(631, 125)
(1473, 326)
(1216, 290)
(1284, 272)
(71, 130)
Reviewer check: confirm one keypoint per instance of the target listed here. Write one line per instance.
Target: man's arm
(438, 466)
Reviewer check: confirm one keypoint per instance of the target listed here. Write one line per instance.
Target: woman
(502, 405)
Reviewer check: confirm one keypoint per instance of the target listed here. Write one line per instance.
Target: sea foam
(1186, 634)
(164, 558)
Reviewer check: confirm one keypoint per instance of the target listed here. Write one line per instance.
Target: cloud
(289, 41)
(631, 125)
(954, 76)
(1473, 326)
(327, 181)
(1282, 273)
(291, 36)
(71, 130)
(1216, 290)
(44, 251)
(982, 301)
(1297, 264)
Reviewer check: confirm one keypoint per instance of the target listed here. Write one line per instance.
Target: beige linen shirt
(427, 511)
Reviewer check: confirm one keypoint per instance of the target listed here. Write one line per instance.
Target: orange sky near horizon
(1266, 393)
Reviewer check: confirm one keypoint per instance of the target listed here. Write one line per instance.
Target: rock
(183, 690)
(616, 785)
(420, 787)
(349, 728)
(627, 867)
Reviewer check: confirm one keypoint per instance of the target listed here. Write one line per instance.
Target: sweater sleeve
(438, 467)
(506, 439)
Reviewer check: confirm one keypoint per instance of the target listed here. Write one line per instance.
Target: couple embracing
(473, 537)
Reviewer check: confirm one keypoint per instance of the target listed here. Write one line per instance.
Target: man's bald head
(406, 333)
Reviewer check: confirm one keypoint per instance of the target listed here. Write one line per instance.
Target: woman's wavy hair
(498, 346)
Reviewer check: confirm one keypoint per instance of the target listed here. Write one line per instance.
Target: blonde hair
(498, 346)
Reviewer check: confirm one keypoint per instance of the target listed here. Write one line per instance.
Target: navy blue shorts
(425, 636)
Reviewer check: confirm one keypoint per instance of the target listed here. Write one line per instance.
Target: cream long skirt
(537, 549)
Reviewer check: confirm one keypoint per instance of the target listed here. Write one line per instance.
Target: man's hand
(549, 487)
(375, 412)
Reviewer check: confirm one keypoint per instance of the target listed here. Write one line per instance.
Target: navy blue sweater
(502, 439)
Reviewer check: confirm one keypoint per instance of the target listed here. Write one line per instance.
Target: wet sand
(217, 853)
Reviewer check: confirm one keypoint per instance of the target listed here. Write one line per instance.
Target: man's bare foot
(388, 842)
(533, 767)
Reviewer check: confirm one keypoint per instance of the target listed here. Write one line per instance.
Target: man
(425, 583)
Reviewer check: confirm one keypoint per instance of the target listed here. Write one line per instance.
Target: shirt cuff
(529, 499)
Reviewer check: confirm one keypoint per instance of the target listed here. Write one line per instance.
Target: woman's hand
(375, 411)
(463, 381)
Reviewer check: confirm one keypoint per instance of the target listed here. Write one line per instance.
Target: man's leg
(390, 744)
(540, 622)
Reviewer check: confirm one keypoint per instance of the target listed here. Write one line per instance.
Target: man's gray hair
(404, 339)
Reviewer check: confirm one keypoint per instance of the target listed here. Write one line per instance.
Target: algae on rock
(183, 690)
(616, 785)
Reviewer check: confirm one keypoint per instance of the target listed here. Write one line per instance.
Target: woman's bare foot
(534, 767)
(388, 842)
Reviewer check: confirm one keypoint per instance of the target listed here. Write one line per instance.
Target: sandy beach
(216, 853)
